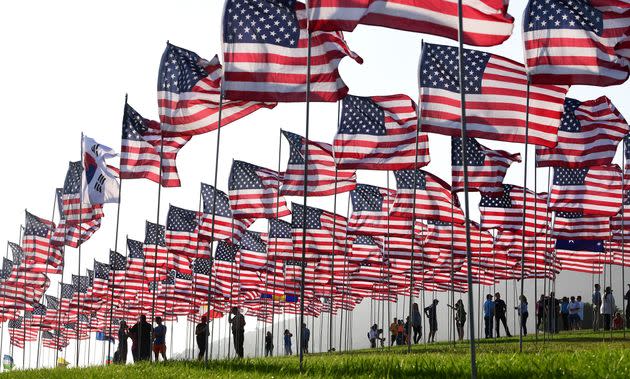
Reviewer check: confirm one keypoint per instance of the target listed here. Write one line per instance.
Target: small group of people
(410, 330)
(288, 344)
(144, 338)
(494, 313)
(572, 312)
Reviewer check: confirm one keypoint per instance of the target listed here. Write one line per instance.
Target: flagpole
(460, 38)
(535, 233)
(332, 267)
(39, 332)
(59, 319)
(79, 257)
(6, 254)
(389, 270)
(520, 333)
(623, 232)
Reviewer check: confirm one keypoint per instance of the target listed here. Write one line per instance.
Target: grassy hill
(566, 355)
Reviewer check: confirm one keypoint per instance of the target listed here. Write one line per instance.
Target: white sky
(68, 64)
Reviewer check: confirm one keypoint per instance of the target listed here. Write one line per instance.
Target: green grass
(567, 355)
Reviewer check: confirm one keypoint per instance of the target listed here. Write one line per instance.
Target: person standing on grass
(400, 333)
(416, 323)
(627, 297)
(488, 315)
(564, 312)
(306, 336)
(574, 308)
(597, 303)
(500, 309)
(431, 313)
(393, 331)
(159, 340)
(373, 335)
(540, 312)
(123, 334)
(523, 313)
(287, 342)
(201, 333)
(460, 318)
(580, 317)
(268, 344)
(238, 330)
(608, 307)
(140, 335)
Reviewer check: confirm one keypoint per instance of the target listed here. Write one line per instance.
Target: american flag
(189, 92)
(537, 216)
(254, 193)
(265, 51)
(225, 225)
(588, 135)
(16, 252)
(155, 251)
(7, 266)
(364, 248)
(505, 212)
(371, 206)
(496, 93)
(439, 236)
(323, 179)
(433, 197)
(117, 261)
(325, 231)
(594, 190)
(141, 146)
(76, 206)
(100, 286)
(379, 133)
(225, 269)
(585, 256)
(577, 42)
(253, 250)
(486, 23)
(486, 167)
(280, 244)
(202, 269)
(72, 234)
(577, 225)
(182, 230)
(36, 241)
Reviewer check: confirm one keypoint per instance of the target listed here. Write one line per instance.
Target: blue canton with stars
(202, 266)
(572, 215)
(80, 283)
(439, 68)
(67, 291)
(361, 115)
(261, 21)
(569, 176)
(35, 227)
(101, 270)
(563, 14)
(366, 198)
(221, 202)
(475, 155)
(117, 261)
(135, 249)
(364, 240)
(503, 201)
(596, 246)
(313, 217)
(226, 252)
(180, 70)
(181, 220)
(279, 229)
(405, 179)
(7, 266)
(244, 176)
(154, 234)
(438, 223)
(17, 253)
(52, 302)
(134, 125)
(253, 241)
(295, 142)
(568, 122)
(72, 183)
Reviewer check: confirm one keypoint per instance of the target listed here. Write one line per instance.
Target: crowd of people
(551, 314)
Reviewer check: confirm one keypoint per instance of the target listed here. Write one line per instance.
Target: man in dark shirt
(500, 308)
(431, 313)
(140, 335)
(201, 331)
(238, 330)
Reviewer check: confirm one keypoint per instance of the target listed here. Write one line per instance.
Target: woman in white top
(608, 307)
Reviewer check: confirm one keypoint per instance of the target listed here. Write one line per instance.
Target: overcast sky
(66, 68)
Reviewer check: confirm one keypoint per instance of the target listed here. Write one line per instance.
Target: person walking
(500, 310)
(238, 330)
(564, 312)
(140, 335)
(608, 307)
(431, 313)
(460, 318)
(523, 313)
(268, 344)
(305, 337)
(393, 331)
(416, 323)
(287, 342)
(597, 303)
(159, 340)
(123, 334)
(201, 333)
(488, 315)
